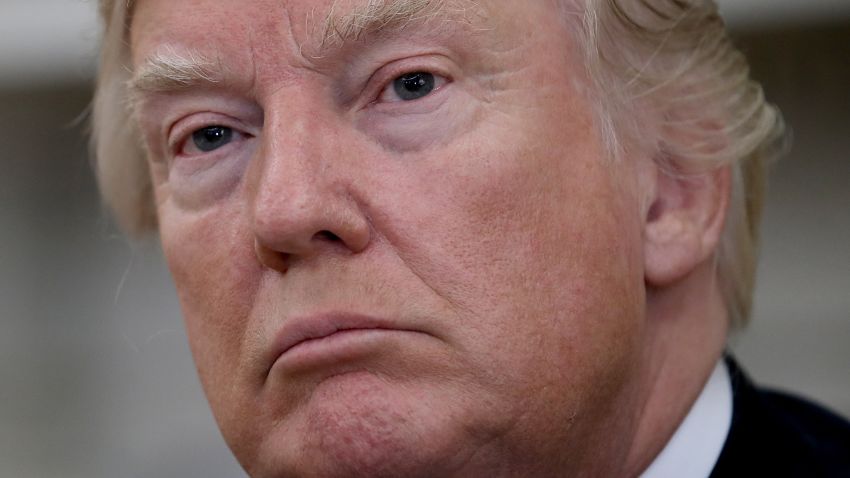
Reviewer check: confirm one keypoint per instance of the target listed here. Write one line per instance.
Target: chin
(363, 425)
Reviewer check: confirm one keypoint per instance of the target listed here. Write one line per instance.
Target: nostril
(271, 258)
(327, 236)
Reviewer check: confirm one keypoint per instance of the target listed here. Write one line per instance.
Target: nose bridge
(290, 181)
(297, 195)
(293, 160)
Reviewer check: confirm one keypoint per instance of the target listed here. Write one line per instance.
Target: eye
(210, 139)
(412, 86)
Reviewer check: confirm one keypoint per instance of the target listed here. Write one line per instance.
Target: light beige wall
(97, 380)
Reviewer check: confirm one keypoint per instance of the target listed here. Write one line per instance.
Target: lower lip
(340, 347)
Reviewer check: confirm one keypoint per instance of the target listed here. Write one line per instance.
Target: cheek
(216, 279)
(563, 269)
(561, 289)
(513, 221)
(535, 245)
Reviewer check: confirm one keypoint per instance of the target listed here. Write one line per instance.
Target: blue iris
(414, 86)
(212, 137)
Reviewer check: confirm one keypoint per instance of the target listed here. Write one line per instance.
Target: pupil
(213, 134)
(414, 86)
(211, 138)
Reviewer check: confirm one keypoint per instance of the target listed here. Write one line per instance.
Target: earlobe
(682, 228)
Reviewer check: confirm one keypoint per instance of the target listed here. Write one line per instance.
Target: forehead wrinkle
(377, 16)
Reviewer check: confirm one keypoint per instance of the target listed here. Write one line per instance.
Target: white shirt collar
(695, 447)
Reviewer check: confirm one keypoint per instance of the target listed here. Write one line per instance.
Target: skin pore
(496, 261)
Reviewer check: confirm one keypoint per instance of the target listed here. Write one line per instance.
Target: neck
(686, 334)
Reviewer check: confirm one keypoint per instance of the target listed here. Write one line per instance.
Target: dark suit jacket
(777, 435)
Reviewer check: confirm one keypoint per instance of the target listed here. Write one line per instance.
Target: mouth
(312, 342)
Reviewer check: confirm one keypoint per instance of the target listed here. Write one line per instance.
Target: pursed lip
(302, 330)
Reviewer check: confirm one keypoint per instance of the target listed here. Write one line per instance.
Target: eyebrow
(172, 69)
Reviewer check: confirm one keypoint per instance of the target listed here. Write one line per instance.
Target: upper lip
(302, 329)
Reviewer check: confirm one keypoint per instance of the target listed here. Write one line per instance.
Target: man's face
(430, 204)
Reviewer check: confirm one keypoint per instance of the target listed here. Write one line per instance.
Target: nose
(302, 203)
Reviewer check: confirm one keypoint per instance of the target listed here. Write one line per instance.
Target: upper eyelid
(165, 115)
(384, 76)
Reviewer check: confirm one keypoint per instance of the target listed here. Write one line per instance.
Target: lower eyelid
(202, 167)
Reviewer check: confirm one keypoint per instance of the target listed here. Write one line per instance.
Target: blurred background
(96, 379)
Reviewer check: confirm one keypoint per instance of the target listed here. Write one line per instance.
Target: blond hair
(674, 60)
(671, 57)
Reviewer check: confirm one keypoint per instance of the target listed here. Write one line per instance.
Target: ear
(684, 223)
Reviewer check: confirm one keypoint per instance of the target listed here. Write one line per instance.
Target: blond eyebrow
(170, 69)
(377, 16)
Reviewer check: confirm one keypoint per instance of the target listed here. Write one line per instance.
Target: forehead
(309, 26)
